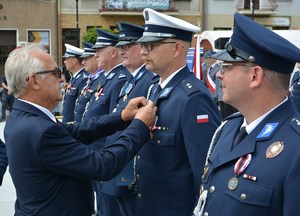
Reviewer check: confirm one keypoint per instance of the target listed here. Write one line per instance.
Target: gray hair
(19, 65)
(279, 81)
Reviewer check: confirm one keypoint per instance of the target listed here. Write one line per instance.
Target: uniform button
(138, 157)
(137, 176)
(212, 189)
(205, 214)
(139, 196)
(158, 141)
(243, 196)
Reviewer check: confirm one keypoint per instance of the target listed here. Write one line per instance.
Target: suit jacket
(3, 160)
(168, 167)
(73, 90)
(52, 171)
(274, 185)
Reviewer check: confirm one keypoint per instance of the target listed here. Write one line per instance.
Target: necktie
(240, 136)
(157, 90)
(57, 121)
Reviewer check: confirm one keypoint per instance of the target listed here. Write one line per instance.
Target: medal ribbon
(242, 164)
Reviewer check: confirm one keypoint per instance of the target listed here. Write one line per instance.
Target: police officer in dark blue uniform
(167, 169)
(115, 75)
(78, 79)
(253, 162)
(137, 86)
(106, 94)
(95, 73)
(295, 88)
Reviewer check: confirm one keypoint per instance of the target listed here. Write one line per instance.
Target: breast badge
(274, 149)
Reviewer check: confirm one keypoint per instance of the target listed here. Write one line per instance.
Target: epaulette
(234, 115)
(295, 123)
(189, 88)
(122, 75)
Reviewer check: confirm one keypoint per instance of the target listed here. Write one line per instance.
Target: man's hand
(132, 107)
(147, 114)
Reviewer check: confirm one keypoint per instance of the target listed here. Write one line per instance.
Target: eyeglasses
(57, 72)
(227, 66)
(126, 47)
(149, 45)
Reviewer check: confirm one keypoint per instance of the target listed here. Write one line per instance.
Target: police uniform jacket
(72, 92)
(169, 166)
(268, 185)
(86, 94)
(3, 160)
(108, 91)
(52, 171)
(136, 87)
(105, 97)
(295, 90)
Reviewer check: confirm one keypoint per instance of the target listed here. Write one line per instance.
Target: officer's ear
(257, 75)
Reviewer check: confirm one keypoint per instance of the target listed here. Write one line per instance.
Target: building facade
(55, 22)
(23, 21)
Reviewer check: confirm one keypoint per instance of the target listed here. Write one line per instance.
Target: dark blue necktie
(240, 136)
(157, 90)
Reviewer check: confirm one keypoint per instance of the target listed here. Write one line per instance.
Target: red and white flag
(197, 64)
(210, 83)
(202, 118)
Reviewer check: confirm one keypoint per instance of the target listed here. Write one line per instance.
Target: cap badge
(146, 16)
(274, 149)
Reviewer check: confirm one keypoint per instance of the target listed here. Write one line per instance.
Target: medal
(127, 90)
(205, 171)
(98, 93)
(233, 183)
(274, 149)
(239, 168)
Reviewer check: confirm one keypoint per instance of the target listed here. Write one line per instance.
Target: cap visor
(121, 43)
(67, 56)
(225, 56)
(98, 46)
(146, 39)
(86, 55)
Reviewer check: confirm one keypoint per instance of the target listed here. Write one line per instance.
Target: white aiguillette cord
(198, 211)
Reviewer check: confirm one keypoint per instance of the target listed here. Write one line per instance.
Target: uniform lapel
(167, 90)
(223, 151)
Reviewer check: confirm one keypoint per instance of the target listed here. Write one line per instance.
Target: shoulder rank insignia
(188, 87)
(121, 75)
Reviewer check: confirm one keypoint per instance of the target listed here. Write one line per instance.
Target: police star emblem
(274, 149)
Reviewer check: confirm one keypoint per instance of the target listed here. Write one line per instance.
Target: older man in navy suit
(3, 160)
(51, 170)
(253, 164)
